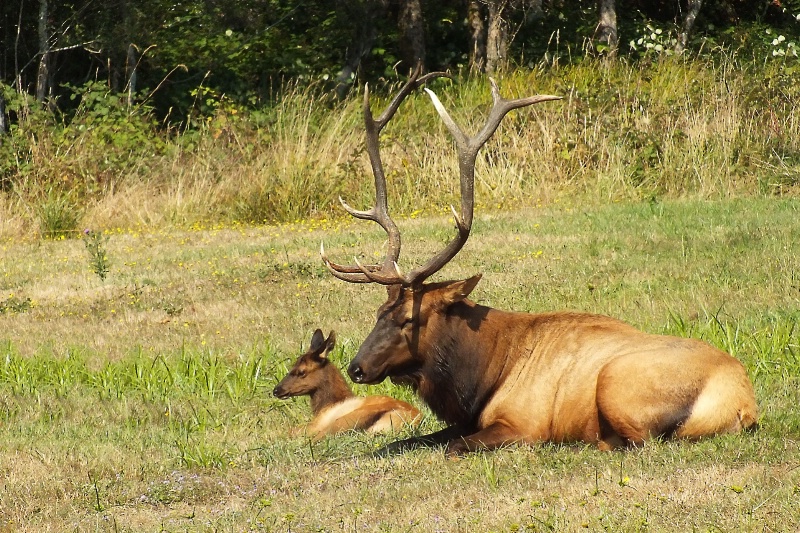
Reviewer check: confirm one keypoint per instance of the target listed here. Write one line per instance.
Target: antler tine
(468, 148)
(340, 271)
(500, 108)
(388, 273)
(413, 83)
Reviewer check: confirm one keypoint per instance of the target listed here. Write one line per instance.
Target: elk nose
(276, 392)
(356, 373)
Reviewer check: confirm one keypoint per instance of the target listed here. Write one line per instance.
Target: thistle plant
(95, 243)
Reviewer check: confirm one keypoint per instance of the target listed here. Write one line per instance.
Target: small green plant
(13, 304)
(779, 45)
(98, 506)
(95, 243)
(198, 453)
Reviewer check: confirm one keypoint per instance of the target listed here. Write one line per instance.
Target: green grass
(142, 401)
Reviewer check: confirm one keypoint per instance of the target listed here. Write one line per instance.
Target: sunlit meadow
(142, 401)
(147, 310)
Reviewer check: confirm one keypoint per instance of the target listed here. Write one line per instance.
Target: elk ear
(458, 290)
(317, 341)
(393, 292)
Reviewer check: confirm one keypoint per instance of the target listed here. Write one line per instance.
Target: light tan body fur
(567, 374)
(373, 414)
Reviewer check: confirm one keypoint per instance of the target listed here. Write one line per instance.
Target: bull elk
(335, 407)
(496, 377)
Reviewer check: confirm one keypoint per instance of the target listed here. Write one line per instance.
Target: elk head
(409, 321)
(306, 375)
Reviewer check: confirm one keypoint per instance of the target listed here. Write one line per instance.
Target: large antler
(389, 272)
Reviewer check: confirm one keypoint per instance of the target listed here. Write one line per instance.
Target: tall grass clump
(300, 162)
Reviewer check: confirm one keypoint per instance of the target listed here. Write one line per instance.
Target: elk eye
(300, 373)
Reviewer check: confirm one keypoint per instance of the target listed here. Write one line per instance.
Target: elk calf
(335, 407)
(498, 377)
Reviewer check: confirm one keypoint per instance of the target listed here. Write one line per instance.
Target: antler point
(459, 222)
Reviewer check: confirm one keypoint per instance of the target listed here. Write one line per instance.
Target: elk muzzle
(365, 372)
(355, 372)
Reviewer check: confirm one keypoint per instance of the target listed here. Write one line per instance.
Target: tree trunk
(130, 69)
(496, 36)
(365, 16)
(688, 24)
(43, 75)
(477, 35)
(3, 123)
(606, 31)
(412, 33)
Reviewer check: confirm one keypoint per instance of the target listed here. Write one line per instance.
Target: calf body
(335, 407)
(499, 377)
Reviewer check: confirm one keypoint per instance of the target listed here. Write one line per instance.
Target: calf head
(306, 375)
(407, 329)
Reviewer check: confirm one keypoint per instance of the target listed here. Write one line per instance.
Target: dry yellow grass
(622, 132)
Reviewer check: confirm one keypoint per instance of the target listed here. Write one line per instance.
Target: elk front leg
(446, 435)
(491, 437)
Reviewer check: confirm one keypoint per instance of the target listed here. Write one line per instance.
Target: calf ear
(317, 341)
(330, 342)
(458, 290)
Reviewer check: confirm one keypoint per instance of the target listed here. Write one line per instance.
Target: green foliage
(184, 376)
(95, 244)
(57, 161)
(662, 125)
(114, 132)
(15, 304)
(16, 148)
(653, 41)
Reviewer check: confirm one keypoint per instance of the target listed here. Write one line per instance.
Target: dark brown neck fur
(458, 375)
(332, 389)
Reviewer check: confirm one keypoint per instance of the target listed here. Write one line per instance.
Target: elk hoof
(457, 447)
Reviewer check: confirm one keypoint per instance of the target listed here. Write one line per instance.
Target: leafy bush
(86, 151)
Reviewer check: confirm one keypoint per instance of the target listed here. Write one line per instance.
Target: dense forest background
(166, 50)
(96, 86)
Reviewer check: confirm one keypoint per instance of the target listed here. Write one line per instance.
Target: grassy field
(140, 399)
